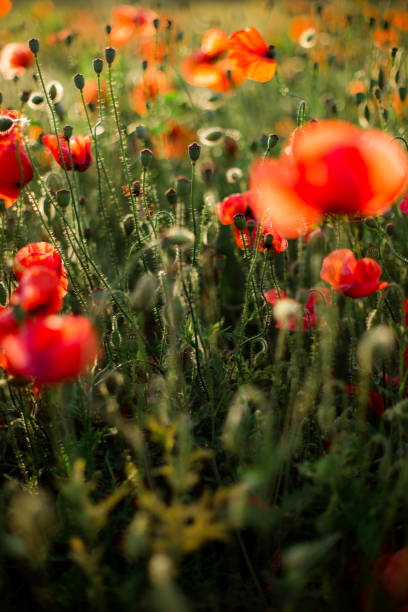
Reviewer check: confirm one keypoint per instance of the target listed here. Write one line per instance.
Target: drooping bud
(34, 45)
(98, 65)
(79, 81)
(194, 151)
(110, 54)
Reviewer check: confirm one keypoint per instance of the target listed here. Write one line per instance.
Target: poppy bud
(63, 197)
(34, 45)
(98, 65)
(5, 123)
(171, 196)
(178, 236)
(67, 131)
(24, 96)
(377, 93)
(36, 100)
(144, 65)
(3, 294)
(402, 92)
(108, 29)
(268, 241)
(194, 151)
(143, 297)
(381, 79)
(370, 222)
(129, 224)
(146, 157)
(156, 23)
(394, 52)
(79, 81)
(1, 98)
(140, 132)
(110, 54)
(359, 97)
(272, 141)
(183, 186)
(389, 228)
(240, 221)
(82, 201)
(2, 206)
(251, 225)
(59, 110)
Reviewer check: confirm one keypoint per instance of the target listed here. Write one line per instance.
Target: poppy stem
(193, 216)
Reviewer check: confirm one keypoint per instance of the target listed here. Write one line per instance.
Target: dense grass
(209, 460)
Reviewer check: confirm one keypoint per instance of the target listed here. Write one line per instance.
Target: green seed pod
(240, 221)
(194, 151)
(183, 186)
(67, 131)
(140, 132)
(272, 141)
(110, 54)
(79, 81)
(98, 65)
(5, 124)
(268, 241)
(34, 45)
(63, 197)
(146, 157)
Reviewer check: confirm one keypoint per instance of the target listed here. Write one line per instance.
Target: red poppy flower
(80, 150)
(234, 204)
(207, 67)
(309, 318)
(45, 255)
(250, 53)
(152, 84)
(330, 167)
(51, 349)
(129, 22)
(38, 291)
(356, 278)
(5, 7)
(17, 170)
(15, 58)
(404, 205)
(173, 142)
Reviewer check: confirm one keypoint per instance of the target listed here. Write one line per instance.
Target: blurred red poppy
(5, 7)
(208, 67)
(129, 22)
(51, 349)
(309, 318)
(41, 254)
(80, 150)
(150, 85)
(38, 291)
(16, 168)
(356, 278)
(240, 203)
(15, 58)
(250, 53)
(330, 167)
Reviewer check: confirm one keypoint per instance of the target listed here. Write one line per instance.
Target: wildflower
(355, 278)
(309, 318)
(80, 150)
(128, 22)
(303, 30)
(173, 142)
(15, 58)
(5, 7)
(250, 53)
(148, 88)
(51, 349)
(38, 291)
(208, 67)
(17, 170)
(41, 254)
(330, 167)
(240, 204)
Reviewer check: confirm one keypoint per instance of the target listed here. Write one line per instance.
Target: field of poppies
(204, 306)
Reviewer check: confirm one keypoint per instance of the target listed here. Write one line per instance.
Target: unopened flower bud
(194, 151)
(34, 45)
(268, 241)
(272, 141)
(24, 96)
(251, 225)
(389, 228)
(108, 29)
(110, 54)
(144, 295)
(156, 23)
(183, 186)
(98, 65)
(145, 64)
(63, 197)
(171, 196)
(240, 221)
(79, 81)
(146, 157)
(129, 224)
